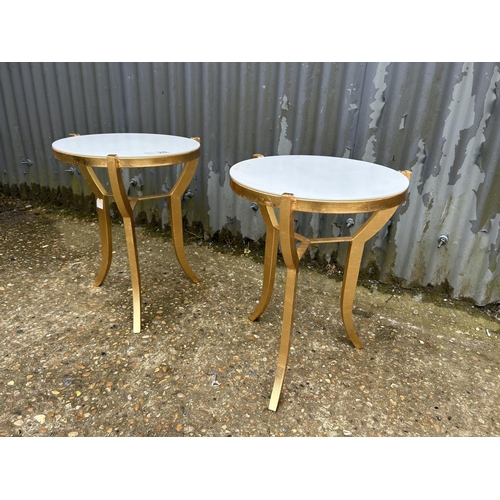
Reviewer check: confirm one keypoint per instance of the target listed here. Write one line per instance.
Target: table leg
(352, 265)
(271, 252)
(174, 204)
(123, 204)
(102, 197)
(106, 241)
(290, 256)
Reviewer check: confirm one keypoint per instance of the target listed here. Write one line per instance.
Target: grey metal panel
(9, 128)
(440, 120)
(8, 173)
(448, 171)
(431, 118)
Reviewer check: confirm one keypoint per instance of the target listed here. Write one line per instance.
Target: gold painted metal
(174, 200)
(271, 252)
(283, 232)
(352, 265)
(289, 251)
(103, 217)
(126, 205)
(150, 161)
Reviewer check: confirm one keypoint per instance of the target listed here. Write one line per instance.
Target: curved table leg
(102, 197)
(106, 241)
(352, 265)
(272, 238)
(123, 204)
(174, 204)
(290, 256)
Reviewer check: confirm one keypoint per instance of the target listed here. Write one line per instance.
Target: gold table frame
(126, 205)
(282, 231)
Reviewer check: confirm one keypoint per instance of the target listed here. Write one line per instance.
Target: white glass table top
(125, 145)
(319, 178)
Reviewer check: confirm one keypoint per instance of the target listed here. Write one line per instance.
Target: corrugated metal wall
(440, 120)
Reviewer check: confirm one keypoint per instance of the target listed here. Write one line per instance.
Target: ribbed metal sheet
(440, 120)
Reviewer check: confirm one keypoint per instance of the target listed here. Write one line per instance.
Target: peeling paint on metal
(402, 124)
(474, 146)
(315, 225)
(460, 117)
(370, 152)
(353, 108)
(377, 106)
(451, 209)
(284, 144)
(494, 241)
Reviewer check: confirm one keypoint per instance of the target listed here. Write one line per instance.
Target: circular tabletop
(93, 150)
(319, 183)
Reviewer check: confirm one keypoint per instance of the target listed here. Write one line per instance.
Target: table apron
(102, 162)
(321, 206)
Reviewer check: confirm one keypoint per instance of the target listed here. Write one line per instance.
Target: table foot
(271, 252)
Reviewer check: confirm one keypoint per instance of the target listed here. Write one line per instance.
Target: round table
(317, 184)
(129, 150)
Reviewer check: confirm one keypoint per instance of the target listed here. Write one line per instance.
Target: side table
(128, 150)
(317, 184)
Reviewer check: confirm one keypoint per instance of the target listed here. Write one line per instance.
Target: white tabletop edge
(319, 178)
(125, 145)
